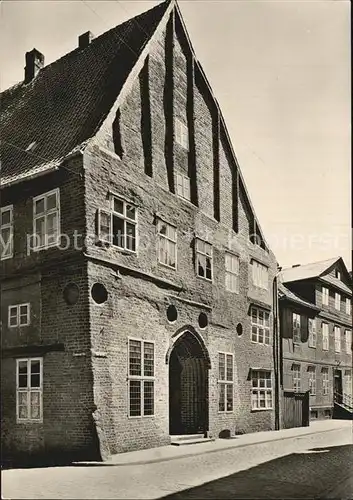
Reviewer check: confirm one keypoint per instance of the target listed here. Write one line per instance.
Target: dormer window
(338, 274)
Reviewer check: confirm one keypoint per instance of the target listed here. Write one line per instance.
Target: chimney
(85, 39)
(296, 265)
(34, 63)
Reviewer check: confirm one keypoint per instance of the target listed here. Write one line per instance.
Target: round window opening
(172, 313)
(239, 329)
(99, 293)
(71, 293)
(203, 320)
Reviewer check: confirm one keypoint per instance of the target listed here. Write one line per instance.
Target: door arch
(188, 385)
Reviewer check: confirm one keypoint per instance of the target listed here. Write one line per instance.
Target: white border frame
(18, 325)
(159, 235)
(262, 388)
(141, 378)
(28, 390)
(205, 255)
(58, 211)
(9, 225)
(225, 382)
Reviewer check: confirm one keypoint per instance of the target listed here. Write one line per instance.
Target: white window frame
(337, 301)
(260, 276)
(348, 306)
(232, 268)
(7, 226)
(325, 336)
(183, 186)
(166, 242)
(141, 378)
(46, 214)
(348, 341)
(312, 337)
(296, 326)
(17, 308)
(296, 377)
(325, 381)
(226, 382)
(204, 255)
(347, 386)
(312, 380)
(256, 390)
(28, 390)
(337, 333)
(259, 325)
(182, 134)
(338, 274)
(325, 296)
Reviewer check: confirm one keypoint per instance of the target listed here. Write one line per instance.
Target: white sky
(281, 73)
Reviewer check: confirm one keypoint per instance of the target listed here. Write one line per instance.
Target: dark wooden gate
(295, 409)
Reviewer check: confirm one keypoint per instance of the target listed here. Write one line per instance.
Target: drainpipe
(277, 352)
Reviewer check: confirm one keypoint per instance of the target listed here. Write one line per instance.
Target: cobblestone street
(307, 466)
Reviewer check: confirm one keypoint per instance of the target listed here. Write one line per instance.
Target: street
(312, 466)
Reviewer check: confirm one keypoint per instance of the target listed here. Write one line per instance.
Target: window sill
(204, 279)
(225, 412)
(45, 247)
(28, 421)
(167, 266)
(261, 343)
(108, 244)
(138, 417)
(261, 409)
(312, 346)
(7, 257)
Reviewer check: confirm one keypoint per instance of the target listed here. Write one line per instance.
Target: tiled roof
(306, 271)
(284, 292)
(64, 105)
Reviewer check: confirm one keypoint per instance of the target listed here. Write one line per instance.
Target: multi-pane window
(6, 232)
(181, 134)
(312, 380)
(337, 301)
(19, 315)
(46, 220)
(232, 272)
(348, 306)
(29, 389)
(260, 275)
(296, 328)
(167, 237)
(225, 382)
(325, 296)
(183, 186)
(348, 341)
(347, 388)
(312, 332)
(260, 326)
(337, 339)
(325, 337)
(296, 377)
(324, 373)
(141, 378)
(203, 259)
(119, 226)
(261, 390)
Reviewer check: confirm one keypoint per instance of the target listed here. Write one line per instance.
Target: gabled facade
(316, 332)
(143, 307)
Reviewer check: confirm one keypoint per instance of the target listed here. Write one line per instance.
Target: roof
(331, 280)
(65, 104)
(306, 271)
(285, 293)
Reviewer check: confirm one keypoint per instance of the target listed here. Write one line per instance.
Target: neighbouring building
(136, 284)
(316, 336)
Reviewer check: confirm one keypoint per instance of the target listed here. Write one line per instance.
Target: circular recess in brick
(239, 329)
(99, 293)
(203, 320)
(71, 293)
(172, 313)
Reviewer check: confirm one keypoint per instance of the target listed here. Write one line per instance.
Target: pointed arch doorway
(188, 385)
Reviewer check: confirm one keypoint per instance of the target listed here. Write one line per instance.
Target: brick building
(316, 332)
(136, 285)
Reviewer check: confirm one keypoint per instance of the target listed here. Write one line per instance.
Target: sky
(280, 71)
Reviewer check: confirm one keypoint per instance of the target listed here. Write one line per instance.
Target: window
(259, 275)
(167, 236)
(6, 232)
(325, 337)
(46, 220)
(232, 273)
(19, 315)
(141, 378)
(325, 296)
(312, 332)
(296, 328)
(181, 134)
(348, 306)
(203, 259)
(324, 381)
(337, 301)
(312, 380)
(225, 382)
(337, 339)
(338, 274)
(348, 341)
(347, 390)
(29, 389)
(260, 326)
(296, 377)
(119, 226)
(183, 186)
(261, 398)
